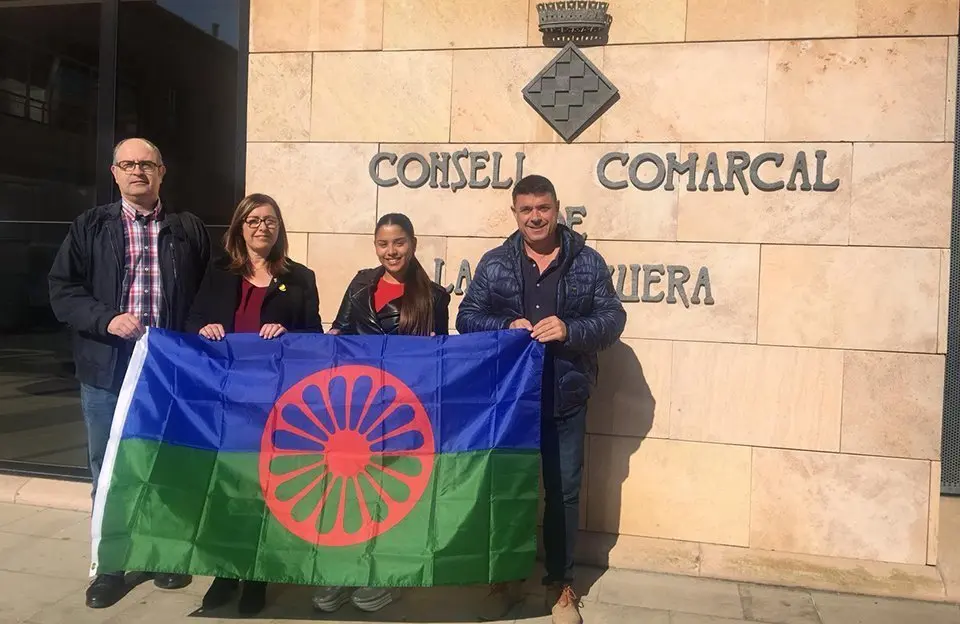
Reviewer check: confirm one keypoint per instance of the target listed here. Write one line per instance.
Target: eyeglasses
(254, 222)
(147, 166)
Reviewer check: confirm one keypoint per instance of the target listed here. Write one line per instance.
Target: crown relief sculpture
(582, 22)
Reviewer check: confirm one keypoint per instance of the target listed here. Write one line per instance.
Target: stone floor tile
(71, 608)
(775, 605)
(9, 486)
(845, 609)
(948, 555)
(588, 580)
(26, 594)
(533, 609)
(544, 619)
(873, 578)
(671, 593)
(10, 513)
(166, 607)
(54, 523)
(279, 607)
(7, 542)
(600, 613)
(437, 605)
(78, 532)
(692, 618)
(55, 493)
(198, 586)
(68, 559)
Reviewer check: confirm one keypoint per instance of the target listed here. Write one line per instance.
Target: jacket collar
(571, 244)
(370, 277)
(131, 212)
(168, 219)
(367, 280)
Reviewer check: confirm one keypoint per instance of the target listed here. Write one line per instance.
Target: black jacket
(586, 302)
(291, 300)
(357, 316)
(87, 277)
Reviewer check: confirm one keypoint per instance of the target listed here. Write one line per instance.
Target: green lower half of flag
(179, 509)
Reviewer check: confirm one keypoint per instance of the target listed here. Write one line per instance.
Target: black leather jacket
(357, 316)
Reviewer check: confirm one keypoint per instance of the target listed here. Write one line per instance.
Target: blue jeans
(98, 406)
(561, 452)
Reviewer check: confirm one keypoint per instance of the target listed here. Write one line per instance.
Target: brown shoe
(551, 595)
(567, 608)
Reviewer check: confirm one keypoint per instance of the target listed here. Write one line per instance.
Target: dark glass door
(178, 63)
(75, 77)
(49, 72)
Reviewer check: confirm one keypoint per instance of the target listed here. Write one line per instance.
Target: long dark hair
(416, 304)
(236, 247)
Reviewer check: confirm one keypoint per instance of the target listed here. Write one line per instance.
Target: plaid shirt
(142, 292)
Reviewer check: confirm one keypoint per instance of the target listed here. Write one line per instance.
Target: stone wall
(801, 411)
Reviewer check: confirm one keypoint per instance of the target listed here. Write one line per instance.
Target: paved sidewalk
(44, 555)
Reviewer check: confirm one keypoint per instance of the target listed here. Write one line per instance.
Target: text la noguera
(645, 171)
(673, 290)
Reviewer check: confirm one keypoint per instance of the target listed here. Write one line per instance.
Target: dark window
(179, 80)
(177, 69)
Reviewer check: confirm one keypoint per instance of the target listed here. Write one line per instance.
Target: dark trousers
(561, 450)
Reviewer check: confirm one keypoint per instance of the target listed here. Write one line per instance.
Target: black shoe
(220, 593)
(105, 591)
(172, 581)
(253, 598)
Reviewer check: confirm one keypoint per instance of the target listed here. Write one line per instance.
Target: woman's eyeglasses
(254, 222)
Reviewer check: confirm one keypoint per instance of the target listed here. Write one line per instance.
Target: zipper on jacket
(118, 284)
(176, 280)
(518, 267)
(561, 288)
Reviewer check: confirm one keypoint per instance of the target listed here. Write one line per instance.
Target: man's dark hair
(534, 185)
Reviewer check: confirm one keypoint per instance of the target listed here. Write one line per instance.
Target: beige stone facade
(799, 415)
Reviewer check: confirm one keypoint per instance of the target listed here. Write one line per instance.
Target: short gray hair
(148, 142)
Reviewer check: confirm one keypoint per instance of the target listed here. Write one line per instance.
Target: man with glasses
(124, 267)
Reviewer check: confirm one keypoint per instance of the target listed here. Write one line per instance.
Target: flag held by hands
(322, 460)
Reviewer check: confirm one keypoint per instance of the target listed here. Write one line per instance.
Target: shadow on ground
(434, 604)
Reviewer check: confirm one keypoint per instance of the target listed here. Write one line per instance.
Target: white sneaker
(372, 599)
(329, 599)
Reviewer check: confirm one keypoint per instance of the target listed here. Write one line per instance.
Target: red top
(385, 293)
(247, 316)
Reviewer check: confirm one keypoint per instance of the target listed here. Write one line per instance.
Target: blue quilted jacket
(586, 302)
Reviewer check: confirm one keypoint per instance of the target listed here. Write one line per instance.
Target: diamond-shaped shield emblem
(570, 93)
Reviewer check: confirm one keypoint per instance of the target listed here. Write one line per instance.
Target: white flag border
(130, 380)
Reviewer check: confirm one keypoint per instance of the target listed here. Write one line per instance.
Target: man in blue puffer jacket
(544, 279)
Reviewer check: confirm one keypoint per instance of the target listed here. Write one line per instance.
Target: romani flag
(325, 460)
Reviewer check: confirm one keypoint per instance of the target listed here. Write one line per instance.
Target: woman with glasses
(255, 288)
(397, 297)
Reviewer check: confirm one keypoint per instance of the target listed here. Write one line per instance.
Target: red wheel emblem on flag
(346, 454)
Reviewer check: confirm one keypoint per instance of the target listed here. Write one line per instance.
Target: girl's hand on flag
(272, 330)
(213, 331)
(550, 329)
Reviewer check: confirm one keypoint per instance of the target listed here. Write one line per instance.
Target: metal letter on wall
(570, 93)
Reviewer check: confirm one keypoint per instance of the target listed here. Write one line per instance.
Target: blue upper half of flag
(316, 392)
